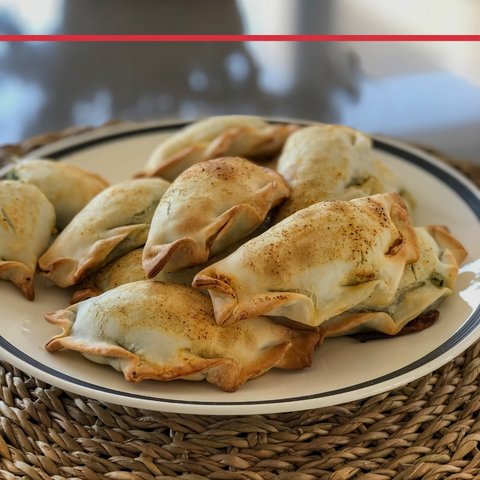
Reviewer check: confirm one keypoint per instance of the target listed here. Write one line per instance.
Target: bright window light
(33, 17)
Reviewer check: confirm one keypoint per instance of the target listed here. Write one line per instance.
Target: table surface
(422, 92)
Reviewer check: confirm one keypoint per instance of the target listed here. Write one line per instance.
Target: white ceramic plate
(343, 370)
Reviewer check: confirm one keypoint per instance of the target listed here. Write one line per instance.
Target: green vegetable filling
(437, 279)
(357, 181)
(12, 175)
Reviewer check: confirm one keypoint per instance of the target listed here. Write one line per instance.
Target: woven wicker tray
(428, 429)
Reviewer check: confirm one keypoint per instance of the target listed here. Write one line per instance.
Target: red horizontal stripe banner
(239, 38)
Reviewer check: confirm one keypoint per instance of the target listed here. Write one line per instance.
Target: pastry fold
(207, 208)
(27, 220)
(129, 268)
(154, 330)
(316, 264)
(331, 162)
(113, 223)
(422, 286)
(68, 187)
(214, 137)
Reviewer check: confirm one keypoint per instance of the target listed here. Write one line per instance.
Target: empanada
(331, 162)
(207, 208)
(68, 187)
(221, 136)
(128, 269)
(317, 263)
(154, 330)
(423, 284)
(113, 223)
(27, 220)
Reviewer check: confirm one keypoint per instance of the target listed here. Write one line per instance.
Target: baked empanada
(222, 136)
(423, 284)
(113, 223)
(27, 220)
(317, 263)
(128, 269)
(207, 208)
(154, 330)
(331, 162)
(68, 187)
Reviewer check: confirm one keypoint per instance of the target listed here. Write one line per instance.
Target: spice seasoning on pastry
(27, 220)
(317, 263)
(424, 284)
(210, 206)
(331, 162)
(159, 331)
(113, 223)
(222, 136)
(68, 187)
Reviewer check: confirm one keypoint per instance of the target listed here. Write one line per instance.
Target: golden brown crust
(115, 222)
(128, 269)
(173, 335)
(330, 162)
(84, 293)
(422, 322)
(208, 207)
(68, 187)
(27, 220)
(20, 275)
(446, 240)
(67, 271)
(317, 263)
(423, 284)
(215, 137)
(157, 256)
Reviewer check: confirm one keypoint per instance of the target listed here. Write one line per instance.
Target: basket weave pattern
(428, 429)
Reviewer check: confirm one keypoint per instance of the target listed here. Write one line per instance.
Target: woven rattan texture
(428, 429)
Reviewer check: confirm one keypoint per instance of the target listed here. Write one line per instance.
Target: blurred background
(423, 92)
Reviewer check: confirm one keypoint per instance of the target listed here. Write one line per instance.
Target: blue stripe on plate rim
(467, 328)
